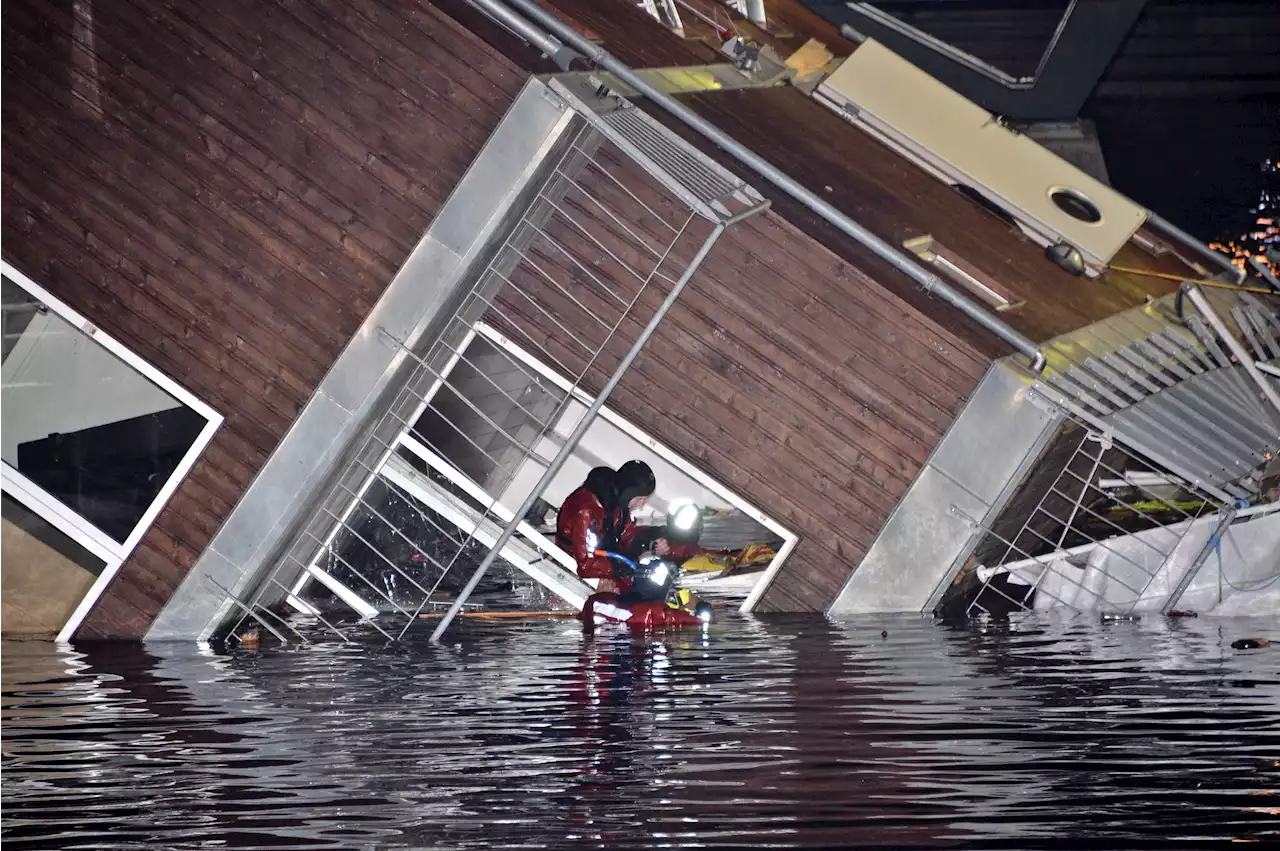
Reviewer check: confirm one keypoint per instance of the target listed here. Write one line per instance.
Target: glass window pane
(46, 574)
(83, 424)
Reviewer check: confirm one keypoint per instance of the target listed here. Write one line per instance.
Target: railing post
(1237, 348)
(1228, 515)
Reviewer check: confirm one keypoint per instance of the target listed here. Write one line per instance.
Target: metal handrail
(548, 25)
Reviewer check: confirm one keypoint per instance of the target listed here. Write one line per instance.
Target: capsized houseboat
(320, 310)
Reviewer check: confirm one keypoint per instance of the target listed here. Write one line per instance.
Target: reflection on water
(786, 733)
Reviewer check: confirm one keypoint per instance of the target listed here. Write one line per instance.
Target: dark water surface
(789, 733)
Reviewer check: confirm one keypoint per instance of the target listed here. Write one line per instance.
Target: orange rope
(1180, 278)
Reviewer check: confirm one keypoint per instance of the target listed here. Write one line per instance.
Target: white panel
(964, 143)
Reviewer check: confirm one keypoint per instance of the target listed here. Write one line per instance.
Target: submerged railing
(1168, 422)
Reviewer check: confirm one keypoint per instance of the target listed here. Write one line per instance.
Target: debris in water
(1250, 643)
(1180, 614)
(1120, 616)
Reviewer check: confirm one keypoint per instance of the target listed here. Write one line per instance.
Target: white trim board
(59, 515)
(63, 518)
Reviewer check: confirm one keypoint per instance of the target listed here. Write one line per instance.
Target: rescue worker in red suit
(598, 516)
(644, 606)
(580, 527)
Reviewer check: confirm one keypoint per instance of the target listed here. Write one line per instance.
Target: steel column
(1228, 515)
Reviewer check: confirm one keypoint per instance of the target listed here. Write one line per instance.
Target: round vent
(1075, 205)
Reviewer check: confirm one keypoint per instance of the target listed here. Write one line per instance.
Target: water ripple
(787, 733)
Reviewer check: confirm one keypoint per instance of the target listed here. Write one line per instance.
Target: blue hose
(1217, 548)
(618, 557)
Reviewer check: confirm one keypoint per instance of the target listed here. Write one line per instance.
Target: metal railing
(1095, 527)
(1172, 381)
(443, 485)
(1167, 426)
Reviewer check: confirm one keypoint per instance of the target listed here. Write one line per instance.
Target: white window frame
(57, 514)
(789, 538)
(61, 516)
(548, 547)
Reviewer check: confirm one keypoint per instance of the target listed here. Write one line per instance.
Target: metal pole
(550, 46)
(929, 281)
(1228, 515)
(1237, 348)
(1221, 260)
(575, 436)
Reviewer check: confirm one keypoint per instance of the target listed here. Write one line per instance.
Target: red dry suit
(580, 531)
(652, 614)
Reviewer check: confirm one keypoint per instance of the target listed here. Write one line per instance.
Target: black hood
(634, 478)
(602, 482)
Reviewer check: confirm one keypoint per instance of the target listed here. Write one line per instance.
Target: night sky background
(1188, 112)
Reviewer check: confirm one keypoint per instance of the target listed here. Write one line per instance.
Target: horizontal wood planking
(808, 388)
(227, 188)
(885, 193)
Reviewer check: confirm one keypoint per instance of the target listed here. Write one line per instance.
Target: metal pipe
(1220, 260)
(1237, 348)
(1269, 369)
(1228, 515)
(550, 46)
(575, 436)
(927, 280)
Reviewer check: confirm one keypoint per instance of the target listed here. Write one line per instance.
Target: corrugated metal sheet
(1171, 387)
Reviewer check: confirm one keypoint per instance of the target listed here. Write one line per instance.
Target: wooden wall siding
(226, 187)
(249, 175)
(783, 372)
(888, 195)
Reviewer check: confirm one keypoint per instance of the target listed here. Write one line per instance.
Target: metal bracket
(1043, 402)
